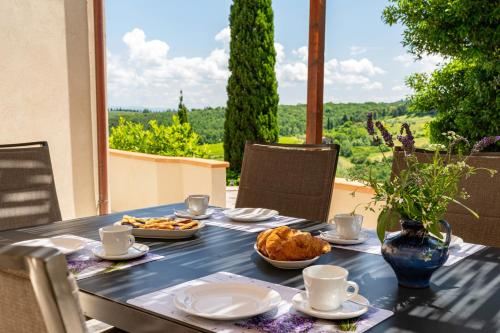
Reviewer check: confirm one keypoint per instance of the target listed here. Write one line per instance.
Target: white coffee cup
(116, 239)
(197, 204)
(326, 286)
(348, 226)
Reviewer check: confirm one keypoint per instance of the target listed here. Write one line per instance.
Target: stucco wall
(141, 180)
(46, 91)
(344, 202)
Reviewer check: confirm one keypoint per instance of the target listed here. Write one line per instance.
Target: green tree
(252, 103)
(463, 92)
(182, 111)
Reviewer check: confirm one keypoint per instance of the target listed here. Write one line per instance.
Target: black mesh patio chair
(295, 180)
(27, 189)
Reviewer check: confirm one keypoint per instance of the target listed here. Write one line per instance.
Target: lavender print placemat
(372, 245)
(84, 264)
(218, 219)
(283, 319)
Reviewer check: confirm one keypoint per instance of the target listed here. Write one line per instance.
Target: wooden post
(315, 73)
(101, 107)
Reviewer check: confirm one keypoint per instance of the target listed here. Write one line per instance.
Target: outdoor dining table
(464, 297)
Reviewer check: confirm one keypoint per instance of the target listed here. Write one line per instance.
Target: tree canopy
(252, 103)
(463, 91)
(182, 111)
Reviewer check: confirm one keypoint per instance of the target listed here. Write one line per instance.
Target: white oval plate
(250, 214)
(66, 245)
(226, 301)
(286, 264)
(331, 236)
(185, 214)
(165, 234)
(454, 242)
(346, 311)
(137, 250)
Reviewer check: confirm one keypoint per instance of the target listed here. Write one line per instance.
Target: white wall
(141, 180)
(46, 91)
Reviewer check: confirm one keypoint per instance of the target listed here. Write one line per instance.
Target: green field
(344, 124)
(372, 153)
(216, 150)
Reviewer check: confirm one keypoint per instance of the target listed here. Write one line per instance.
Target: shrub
(175, 140)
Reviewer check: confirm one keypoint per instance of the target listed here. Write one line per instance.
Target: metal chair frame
(47, 269)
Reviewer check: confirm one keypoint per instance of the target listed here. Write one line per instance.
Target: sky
(155, 48)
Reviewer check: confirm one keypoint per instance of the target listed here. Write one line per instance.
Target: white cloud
(291, 73)
(146, 76)
(357, 50)
(143, 51)
(427, 63)
(406, 59)
(280, 52)
(302, 53)
(373, 86)
(363, 66)
(398, 88)
(224, 35)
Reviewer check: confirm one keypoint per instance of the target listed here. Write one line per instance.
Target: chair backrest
(37, 294)
(484, 199)
(27, 189)
(296, 180)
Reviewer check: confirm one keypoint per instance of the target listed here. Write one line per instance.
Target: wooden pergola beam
(315, 73)
(101, 106)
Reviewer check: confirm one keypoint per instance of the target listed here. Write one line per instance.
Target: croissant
(286, 244)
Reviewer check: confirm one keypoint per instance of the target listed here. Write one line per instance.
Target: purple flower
(286, 323)
(408, 139)
(485, 142)
(385, 134)
(369, 124)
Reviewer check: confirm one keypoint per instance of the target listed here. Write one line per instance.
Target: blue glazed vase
(414, 255)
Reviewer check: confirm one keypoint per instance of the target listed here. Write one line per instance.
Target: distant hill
(209, 122)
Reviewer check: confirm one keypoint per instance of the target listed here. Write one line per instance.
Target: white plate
(165, 234)
(226, 301)
(346, 311)
(137, 250)
(250, 214)
(286, 264)
(65, 245)
(331, 236)
(454, 242)
(185, 214)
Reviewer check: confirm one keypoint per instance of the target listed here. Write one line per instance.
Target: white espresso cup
(348, 226)
(326, 286)
(116, 239)
(197, 204)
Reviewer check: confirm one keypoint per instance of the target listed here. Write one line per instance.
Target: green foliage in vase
(464, 90)
(175, 140)
(252, 88)
(421, 191)
(182, 111)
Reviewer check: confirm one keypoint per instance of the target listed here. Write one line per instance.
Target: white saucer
(137, 250)
(346, 311)
(65, 245)
(184, 213)
(331, 236)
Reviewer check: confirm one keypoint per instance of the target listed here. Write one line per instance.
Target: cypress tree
(182, 111)
(252, 89)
